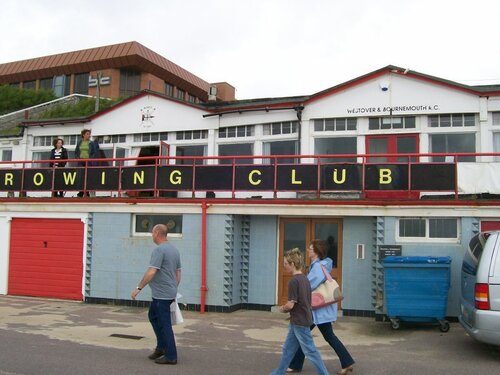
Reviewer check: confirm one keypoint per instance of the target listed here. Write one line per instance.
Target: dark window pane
(442, 228)
(335, 146)
(81, 84)
(318, 125)
(189, 151)
(237, 149)
(283, 148)
(411, 227)
(374, 123)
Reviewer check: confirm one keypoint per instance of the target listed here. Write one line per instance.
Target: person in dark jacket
(60, 155)
(86, 149)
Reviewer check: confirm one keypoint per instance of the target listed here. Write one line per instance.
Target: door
(299, 232)
(392, 145)
(46, 258)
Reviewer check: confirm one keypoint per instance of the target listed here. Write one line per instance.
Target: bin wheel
(444, 326)
(395, 324)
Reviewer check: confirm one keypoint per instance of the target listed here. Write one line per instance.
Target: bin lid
(417, 259)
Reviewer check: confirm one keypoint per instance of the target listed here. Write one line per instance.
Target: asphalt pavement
(54, 337)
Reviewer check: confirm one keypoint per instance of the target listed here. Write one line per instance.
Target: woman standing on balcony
(86, 149)
(60, 154)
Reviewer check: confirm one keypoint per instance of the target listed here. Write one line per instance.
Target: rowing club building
(392, 162)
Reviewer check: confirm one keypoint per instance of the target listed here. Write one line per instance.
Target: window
(107, 139)
(42, 155)
(453, 143)
(496, 118)
(43, 140)
(191, 134)
(432, 229)
(130, 82)
(281, 148)
(236, 131)
(336, 146)
(169, 89)
(81, 84)
(6, 155)
(200, 150)
(236, 149)
(191, 98)
(335, 124)
(29, 85)
(46, 83)
(61, 85)
(287, 127)
(452, 120)
(150, 137)
(143, 224)
(71, 139)
(383, 123)
(496, 144)
(180, 94)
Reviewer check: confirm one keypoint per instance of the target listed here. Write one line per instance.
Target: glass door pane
(378, 146)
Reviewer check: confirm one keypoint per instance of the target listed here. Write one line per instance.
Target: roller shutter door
(46, 258)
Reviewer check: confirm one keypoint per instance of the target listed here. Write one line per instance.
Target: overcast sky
(271, 48)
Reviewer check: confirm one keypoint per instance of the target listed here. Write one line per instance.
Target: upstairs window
(452, 120)
(496, 118)
(383, 123)
(191, 134)
(180, 94)
(169, 89)
(130, 82)
(236, 131)
(277, 128)
(335, 124)
(81, 84)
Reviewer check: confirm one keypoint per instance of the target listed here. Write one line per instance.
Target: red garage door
(46, 258)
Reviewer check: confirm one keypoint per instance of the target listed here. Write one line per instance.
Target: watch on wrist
(138, 288)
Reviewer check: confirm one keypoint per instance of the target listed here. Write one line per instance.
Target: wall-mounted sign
(256, 177)
(388, 250)
(104, 81)
(377, 111)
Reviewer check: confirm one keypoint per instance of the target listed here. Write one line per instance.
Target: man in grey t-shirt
(163, 276)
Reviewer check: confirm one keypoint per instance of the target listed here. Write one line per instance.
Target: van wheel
(444, 326)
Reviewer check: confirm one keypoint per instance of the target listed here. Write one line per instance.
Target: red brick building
(124, 69)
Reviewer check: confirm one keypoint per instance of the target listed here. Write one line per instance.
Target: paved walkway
(244, 342)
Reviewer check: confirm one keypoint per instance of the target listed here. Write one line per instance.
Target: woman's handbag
(327, 293)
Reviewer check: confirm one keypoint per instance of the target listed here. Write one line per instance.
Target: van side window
(475, 249)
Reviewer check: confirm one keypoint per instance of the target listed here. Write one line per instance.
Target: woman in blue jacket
(324, 316)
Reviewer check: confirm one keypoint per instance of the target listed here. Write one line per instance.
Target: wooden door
(299, 232)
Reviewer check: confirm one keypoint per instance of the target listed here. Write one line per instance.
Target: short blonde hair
(295, 257)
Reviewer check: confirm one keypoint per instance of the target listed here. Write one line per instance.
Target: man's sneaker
(156, 354)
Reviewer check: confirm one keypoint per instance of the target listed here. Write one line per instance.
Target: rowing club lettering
(299, 177)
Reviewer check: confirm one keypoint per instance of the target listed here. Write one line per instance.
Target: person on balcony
(86, 149)
(60, 154)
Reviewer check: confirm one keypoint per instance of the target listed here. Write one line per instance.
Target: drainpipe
(203, 287)
(299, 110)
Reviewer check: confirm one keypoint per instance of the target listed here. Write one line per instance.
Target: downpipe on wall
(203, 287)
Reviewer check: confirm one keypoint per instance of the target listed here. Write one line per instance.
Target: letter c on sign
(250, 177)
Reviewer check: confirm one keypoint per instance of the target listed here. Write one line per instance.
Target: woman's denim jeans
(300, 337)
(327, 332)
(159, 316)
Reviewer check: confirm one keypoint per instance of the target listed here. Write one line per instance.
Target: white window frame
(426, 238)
(148, 234)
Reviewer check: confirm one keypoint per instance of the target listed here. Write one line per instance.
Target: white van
(480, 299)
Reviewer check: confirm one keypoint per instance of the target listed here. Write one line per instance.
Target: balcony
(306, 177)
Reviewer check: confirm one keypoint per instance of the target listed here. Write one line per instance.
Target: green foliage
(13, 98)
(84, 107)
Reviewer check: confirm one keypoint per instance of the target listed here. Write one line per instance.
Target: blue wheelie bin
(416, 289)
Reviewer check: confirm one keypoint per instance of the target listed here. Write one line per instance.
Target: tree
(13, 98)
